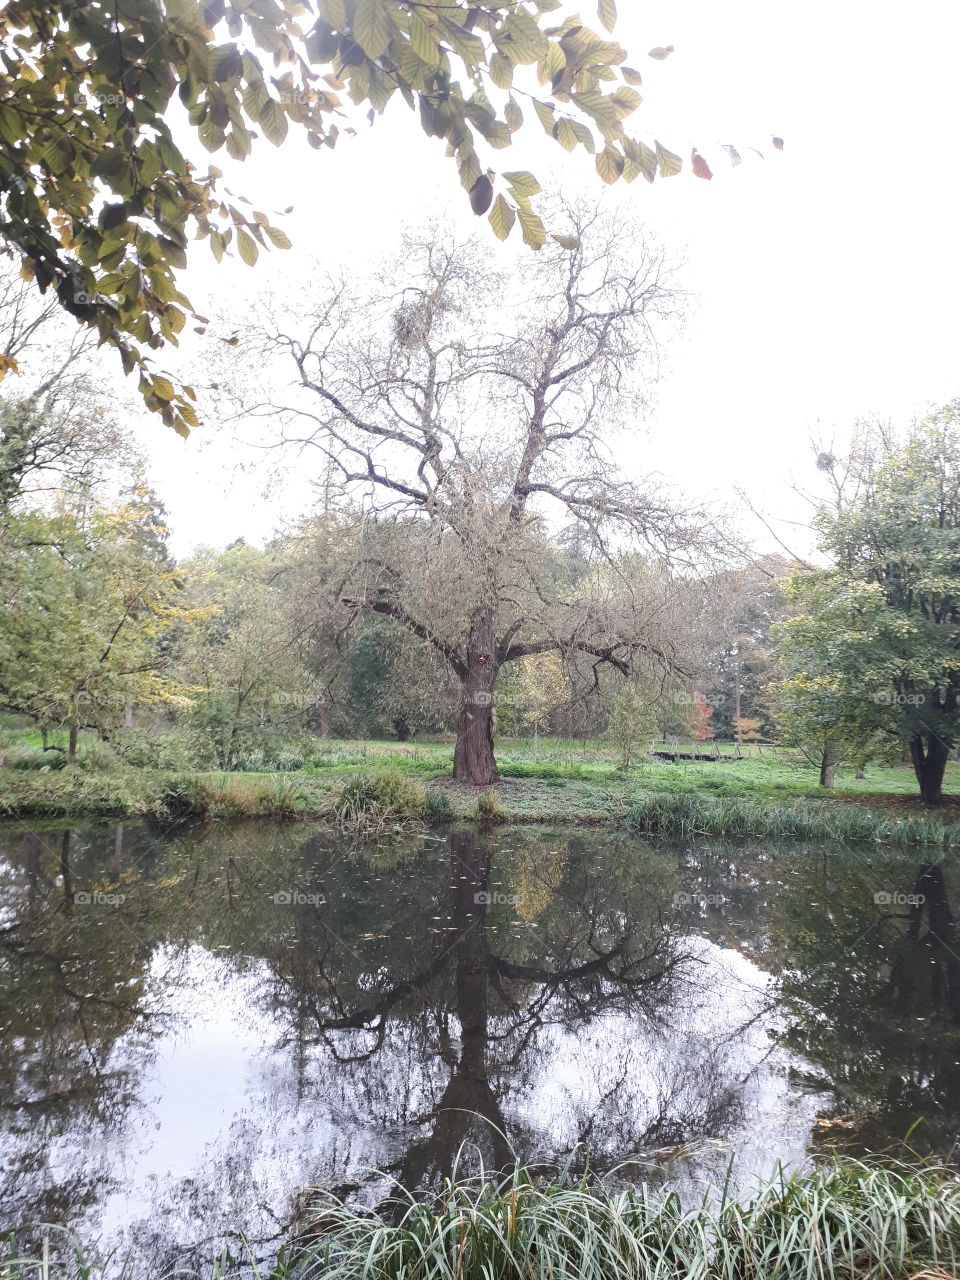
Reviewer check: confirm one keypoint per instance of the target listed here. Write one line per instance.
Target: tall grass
(693, 813)
(845, 1221)
(373, 803)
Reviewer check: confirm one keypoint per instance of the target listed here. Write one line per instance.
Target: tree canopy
(99, 196)
(874, 646)
(456, 437)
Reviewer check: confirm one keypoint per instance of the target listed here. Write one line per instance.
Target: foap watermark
(698, 899)
(885, 899)
(294, 898)
(888, 698)
(99, 899)
(99, 97)
(487, 898)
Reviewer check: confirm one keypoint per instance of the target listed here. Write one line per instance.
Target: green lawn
(548, 779)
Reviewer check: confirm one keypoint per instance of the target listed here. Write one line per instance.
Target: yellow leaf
(502, 218)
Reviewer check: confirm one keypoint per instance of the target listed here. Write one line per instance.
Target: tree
(84, 607)
(99, 198)
(701, 715)
(463, 436)
(249, 659)
(880, 630)
(740, 610)
(632, 721)
(58, 431)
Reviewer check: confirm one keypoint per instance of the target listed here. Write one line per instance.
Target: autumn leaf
(700, 167)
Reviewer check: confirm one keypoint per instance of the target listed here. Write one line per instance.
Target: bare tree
(58, 428)
(468, 413)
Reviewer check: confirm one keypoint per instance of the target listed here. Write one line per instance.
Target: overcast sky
(823, 277)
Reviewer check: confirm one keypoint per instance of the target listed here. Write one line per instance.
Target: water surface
(197, 1027)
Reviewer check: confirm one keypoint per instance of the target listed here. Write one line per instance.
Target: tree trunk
(828, 768)
(473, 760)
(72, 745)
(929, 764)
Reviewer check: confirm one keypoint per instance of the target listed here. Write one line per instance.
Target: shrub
(437, 806)
(372, 801)
(168, 750)
(488, 808)
(289, 762)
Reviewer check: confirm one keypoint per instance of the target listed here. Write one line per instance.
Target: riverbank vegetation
(374, 786)
(844, 1221)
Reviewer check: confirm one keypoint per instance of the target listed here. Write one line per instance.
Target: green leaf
(584, 136)
(423, 42)
(551, 63)
(273, 121)
(502, 217)
(372, 27)
(607, 13)
(546, 115)
(566, 134)
(668, 163)
(534, 232)
(523, 184)
(643, 156)
(470, 171)
(627, 100)
(334, 12)
(247, 247)
(524, 40)
(567, 242)
(661, 52)
(631, 75)
(163, 388)
(610, 165)
(501, 71)
(278, 238)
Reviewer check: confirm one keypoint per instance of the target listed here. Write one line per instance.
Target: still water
(198, 1027)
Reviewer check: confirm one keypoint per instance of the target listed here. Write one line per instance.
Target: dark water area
(197, 1028)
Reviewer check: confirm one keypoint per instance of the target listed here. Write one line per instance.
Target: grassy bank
(845, 1220)
(768, 795)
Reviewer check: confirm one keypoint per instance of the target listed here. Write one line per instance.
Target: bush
(23, 757)
(95, 756)
(168, 750)
(289, 762)
(372, 802)
(488, 808)
(437, 806)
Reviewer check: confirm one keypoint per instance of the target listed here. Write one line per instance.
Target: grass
(844, 1221)
(70, 792)
(697, 814)
(772, 794)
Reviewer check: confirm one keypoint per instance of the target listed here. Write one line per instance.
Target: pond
(198, 1027)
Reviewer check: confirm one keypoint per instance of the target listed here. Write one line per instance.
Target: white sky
(823, 277)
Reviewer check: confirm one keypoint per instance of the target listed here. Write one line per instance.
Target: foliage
(685, 814)
(87, 603)
(383, 794)
(872, 651)
(632, 723)
(489, 439)
(250, 658)
(844, 1220)
(100, 199)
(487, 809)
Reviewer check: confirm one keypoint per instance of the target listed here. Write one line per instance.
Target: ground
(548, 779)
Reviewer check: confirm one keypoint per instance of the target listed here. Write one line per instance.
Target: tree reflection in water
(350, 1009)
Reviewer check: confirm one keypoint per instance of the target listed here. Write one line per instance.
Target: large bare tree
(466, 415)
